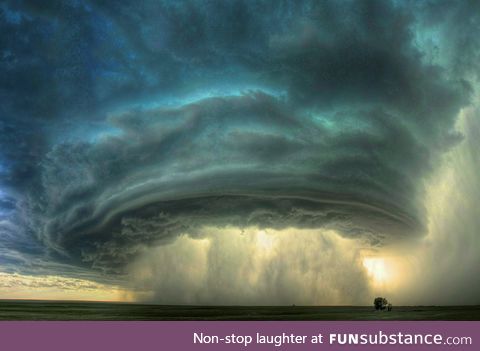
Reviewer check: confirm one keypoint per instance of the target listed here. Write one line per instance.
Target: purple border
(136, 336)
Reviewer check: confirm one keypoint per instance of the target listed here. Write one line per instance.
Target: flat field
(69, 310)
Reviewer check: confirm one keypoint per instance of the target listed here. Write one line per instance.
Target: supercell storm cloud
(125, 126)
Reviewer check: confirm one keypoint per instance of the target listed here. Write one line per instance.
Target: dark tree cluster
(382, 303)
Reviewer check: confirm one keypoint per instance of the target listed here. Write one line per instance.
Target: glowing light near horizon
(377, 269)
(52, 287)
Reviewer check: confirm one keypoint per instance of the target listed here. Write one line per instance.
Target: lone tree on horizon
(380, 303)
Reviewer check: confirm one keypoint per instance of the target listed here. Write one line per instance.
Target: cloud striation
(126, 126)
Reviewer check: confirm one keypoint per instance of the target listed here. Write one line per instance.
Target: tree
(380, 303)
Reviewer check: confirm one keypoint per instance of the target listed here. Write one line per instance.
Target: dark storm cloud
(124, 126)
(455, 26)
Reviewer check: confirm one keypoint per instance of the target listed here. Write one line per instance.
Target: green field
(68, 310)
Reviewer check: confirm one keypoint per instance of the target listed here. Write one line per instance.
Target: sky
(240, 152)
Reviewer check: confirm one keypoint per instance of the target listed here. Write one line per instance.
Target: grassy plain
(69, 310)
